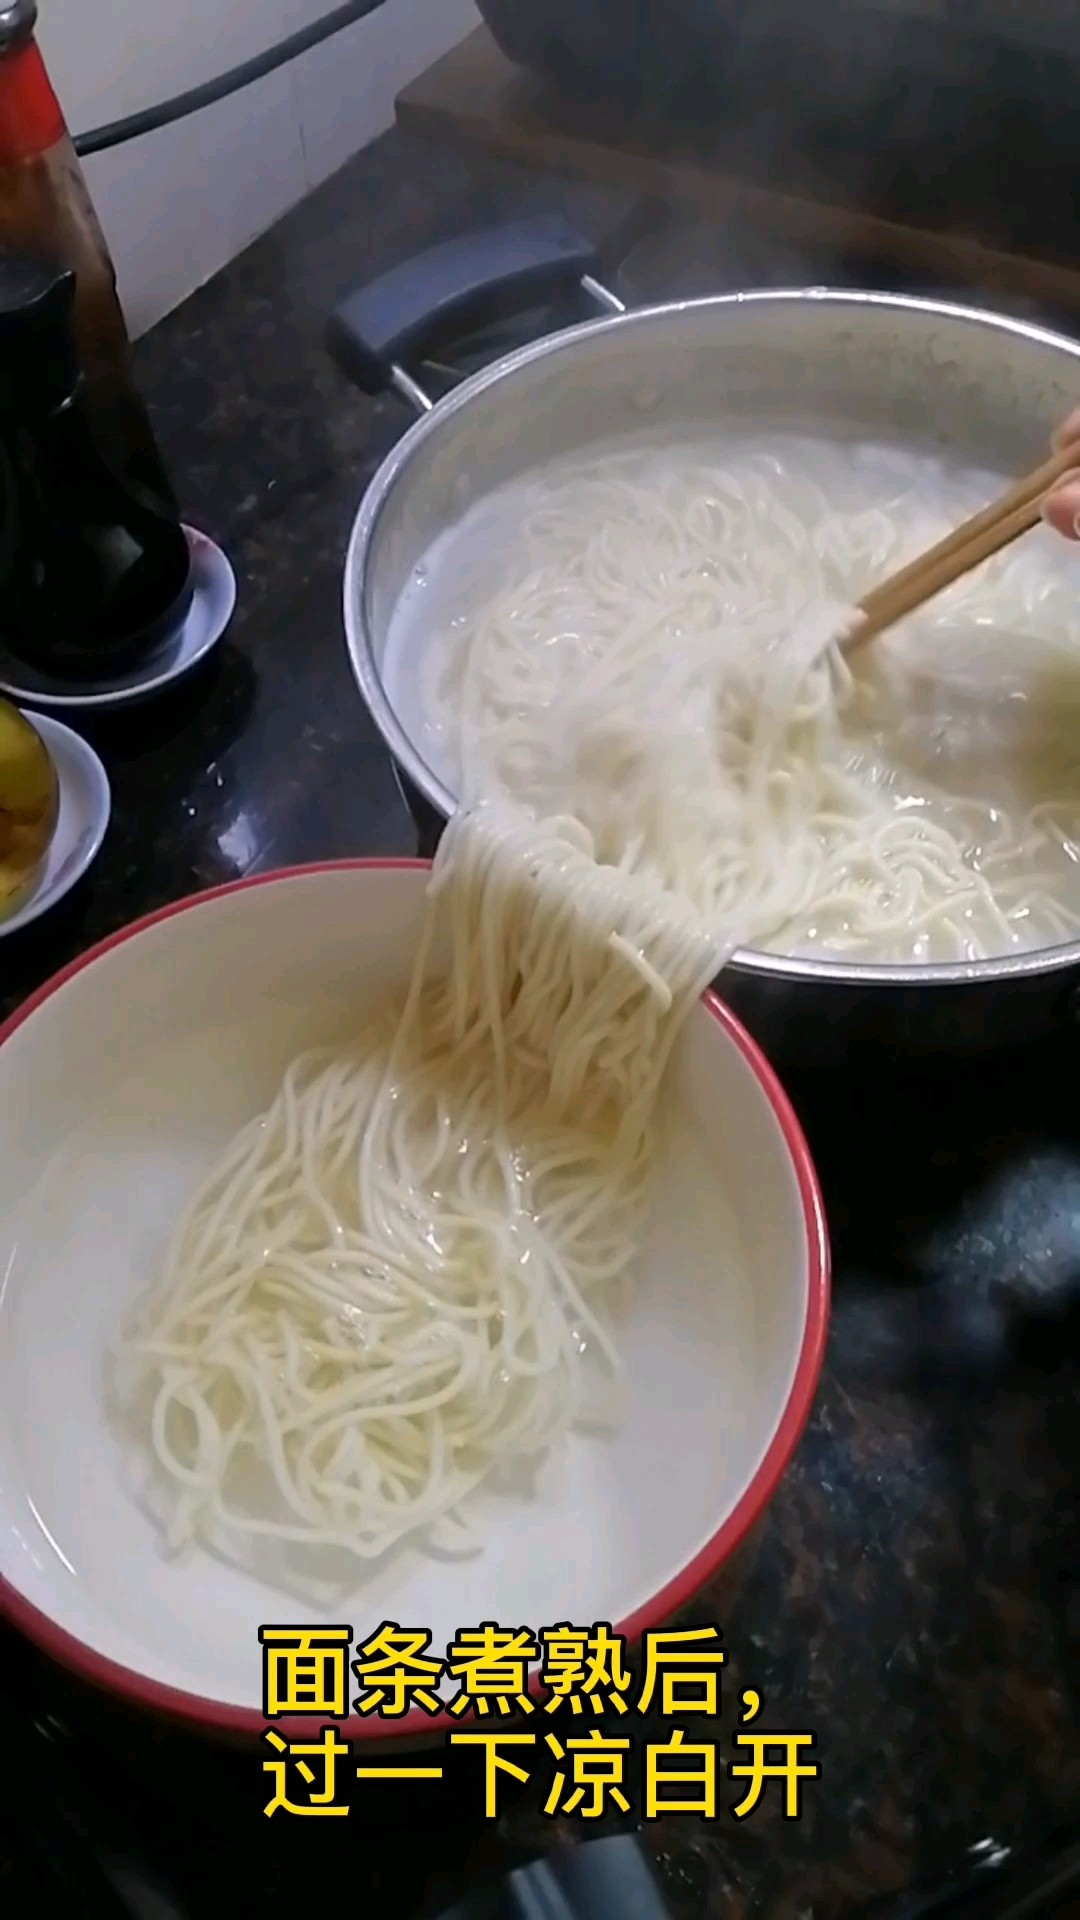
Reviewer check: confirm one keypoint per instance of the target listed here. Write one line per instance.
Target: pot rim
(361, 649)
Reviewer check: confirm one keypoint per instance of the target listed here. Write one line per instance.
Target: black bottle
(92, 578)
(45, 205)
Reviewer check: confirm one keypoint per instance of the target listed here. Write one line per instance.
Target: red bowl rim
(223, 1718)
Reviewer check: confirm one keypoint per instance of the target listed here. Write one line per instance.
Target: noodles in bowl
(122, 1087)
(390, 1286)
(618, 637)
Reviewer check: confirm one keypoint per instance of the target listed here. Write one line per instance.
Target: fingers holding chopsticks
(1061, 508)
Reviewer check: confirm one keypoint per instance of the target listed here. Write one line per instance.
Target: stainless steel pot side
(977, 385)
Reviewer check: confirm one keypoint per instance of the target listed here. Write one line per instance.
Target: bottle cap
(38, 365)
(18, 18)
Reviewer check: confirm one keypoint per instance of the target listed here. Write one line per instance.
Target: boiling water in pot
(641, 637)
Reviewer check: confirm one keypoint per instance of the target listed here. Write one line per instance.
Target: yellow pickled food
(29, 799)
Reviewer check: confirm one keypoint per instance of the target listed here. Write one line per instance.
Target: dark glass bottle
(92, 578)
(46, 207)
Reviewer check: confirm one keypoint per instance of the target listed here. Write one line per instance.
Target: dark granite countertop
(912, 1600)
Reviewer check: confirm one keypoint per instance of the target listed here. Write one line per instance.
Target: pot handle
(449, 290)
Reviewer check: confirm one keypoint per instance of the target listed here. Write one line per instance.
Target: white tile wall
(179, 204)
(345, 89)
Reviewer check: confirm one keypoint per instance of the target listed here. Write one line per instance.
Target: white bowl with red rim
(119, 1083)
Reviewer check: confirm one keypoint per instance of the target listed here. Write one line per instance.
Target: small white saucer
(85, 807)
(212, 607)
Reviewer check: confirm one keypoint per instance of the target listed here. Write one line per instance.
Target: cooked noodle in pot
(625, 645)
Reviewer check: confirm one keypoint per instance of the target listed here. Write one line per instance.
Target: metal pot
(987, 387)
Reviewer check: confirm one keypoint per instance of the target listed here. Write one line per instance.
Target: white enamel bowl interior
(116, 1093)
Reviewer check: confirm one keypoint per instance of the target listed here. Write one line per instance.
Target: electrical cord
(120, 131)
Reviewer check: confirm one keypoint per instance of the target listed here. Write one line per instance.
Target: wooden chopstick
(984, 534)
